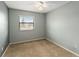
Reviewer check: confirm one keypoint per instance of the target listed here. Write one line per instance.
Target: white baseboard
(40, 39)
(64, 47)
(5, 50)
(28, 40)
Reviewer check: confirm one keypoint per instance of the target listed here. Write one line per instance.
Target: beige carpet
(39, 48)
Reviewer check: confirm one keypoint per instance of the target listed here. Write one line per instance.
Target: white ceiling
(29, 5)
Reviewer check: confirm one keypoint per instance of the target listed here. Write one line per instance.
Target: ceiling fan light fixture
(40, 8)
(41, 5)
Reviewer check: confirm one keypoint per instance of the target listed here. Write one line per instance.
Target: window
(26, 23)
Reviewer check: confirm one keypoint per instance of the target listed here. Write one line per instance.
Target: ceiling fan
(41, 5)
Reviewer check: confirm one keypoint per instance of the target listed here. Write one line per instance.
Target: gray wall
(16, 35)
(63, 26)
(3, 27)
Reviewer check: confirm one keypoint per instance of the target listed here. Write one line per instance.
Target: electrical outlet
(2, 49)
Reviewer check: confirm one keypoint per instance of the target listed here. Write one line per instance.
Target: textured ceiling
(29, 5)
